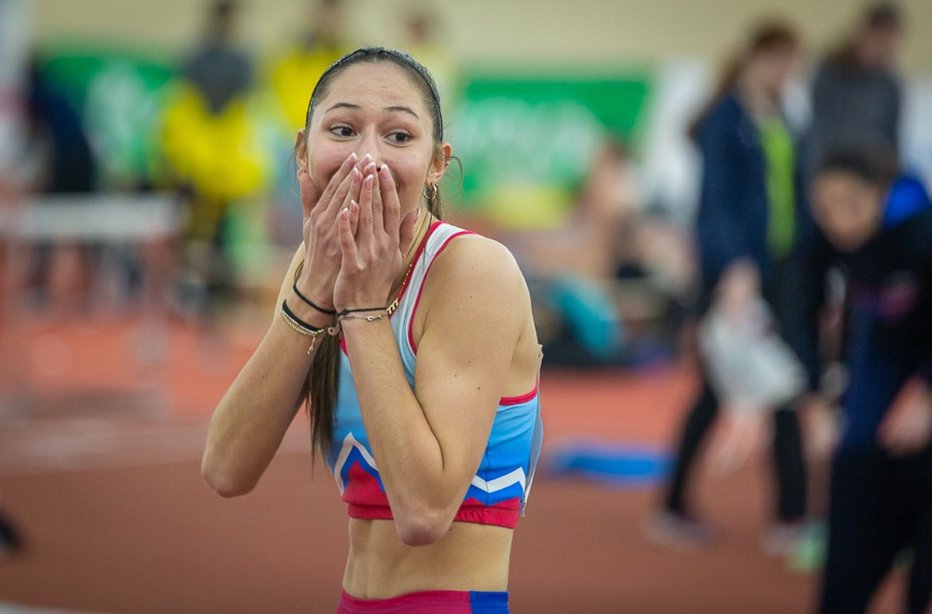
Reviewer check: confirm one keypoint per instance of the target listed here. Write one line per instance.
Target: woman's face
(376, 108)
(772, 68)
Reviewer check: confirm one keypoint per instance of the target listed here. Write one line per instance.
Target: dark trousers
(783, 293)
(879, 505)
(787, 457)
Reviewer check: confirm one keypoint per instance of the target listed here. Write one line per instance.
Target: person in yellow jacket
(294, 73)
(211, 146)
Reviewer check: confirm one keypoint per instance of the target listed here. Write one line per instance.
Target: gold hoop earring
(430, 192)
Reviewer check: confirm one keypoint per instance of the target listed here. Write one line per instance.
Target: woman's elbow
(422, 527)
(223, 481)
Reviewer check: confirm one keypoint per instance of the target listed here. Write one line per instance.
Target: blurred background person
(609, 264)
(56, 131)
(856, 93)
(218, 69)
(290, 74)
(751, 230)
(209, 144)
(423, 38)
(295, 70)
(60, 161)
(856, 102)
(877, 225)
(571, 267)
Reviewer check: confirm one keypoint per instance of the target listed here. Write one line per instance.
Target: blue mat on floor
(617, 464)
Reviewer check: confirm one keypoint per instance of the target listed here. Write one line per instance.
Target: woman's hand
(371, 257)
(739, 287)
(320, 228)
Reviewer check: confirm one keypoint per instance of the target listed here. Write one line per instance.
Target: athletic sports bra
(499, 489)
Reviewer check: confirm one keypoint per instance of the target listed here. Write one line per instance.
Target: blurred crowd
(618, 281)
(615, 272)
(813, 257)
(216, 130)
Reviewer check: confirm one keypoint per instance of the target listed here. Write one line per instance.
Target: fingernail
(352, 157)
(368, 182)
(367, 158)
(356, 174)
(384, 169)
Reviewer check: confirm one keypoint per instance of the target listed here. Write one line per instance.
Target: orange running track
(100, 441)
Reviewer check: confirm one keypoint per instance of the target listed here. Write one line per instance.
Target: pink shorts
(429, 602)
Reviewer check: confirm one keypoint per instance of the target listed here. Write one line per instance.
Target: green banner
(120, 97)
(527, 142)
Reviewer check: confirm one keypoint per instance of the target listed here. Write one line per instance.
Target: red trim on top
(420, 290)
(407, 281)
(518, 400)
(502, 514)
(417, 254)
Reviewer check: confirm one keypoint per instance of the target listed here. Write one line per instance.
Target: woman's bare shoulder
(477, 283)
(476, 262)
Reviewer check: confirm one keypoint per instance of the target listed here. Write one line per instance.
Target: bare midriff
(470, 557)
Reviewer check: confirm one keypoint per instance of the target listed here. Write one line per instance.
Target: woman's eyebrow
(342, 105)
(389, 109)
(402, 109)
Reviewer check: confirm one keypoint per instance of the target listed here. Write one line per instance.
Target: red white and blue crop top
(499, 490)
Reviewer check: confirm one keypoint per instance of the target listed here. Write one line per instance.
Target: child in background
(878, 228)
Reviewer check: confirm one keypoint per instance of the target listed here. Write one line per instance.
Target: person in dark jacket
(877, 228)
(856, 92)
(752, 229)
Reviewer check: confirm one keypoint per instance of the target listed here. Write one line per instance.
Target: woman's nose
(369, 144)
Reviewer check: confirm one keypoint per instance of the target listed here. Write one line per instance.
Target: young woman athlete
(413, 342)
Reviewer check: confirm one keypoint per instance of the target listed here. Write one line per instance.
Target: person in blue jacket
(876, 228)
(752, 230)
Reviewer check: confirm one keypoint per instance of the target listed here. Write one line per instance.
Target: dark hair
(422, 76)
(324, 378)
(880, 16)
(768, 36)
(883, 15)
(876, 165)
(220, 18)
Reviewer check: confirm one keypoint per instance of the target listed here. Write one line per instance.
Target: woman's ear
(441, 161)
(300, 150)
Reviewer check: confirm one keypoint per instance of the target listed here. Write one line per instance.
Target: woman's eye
(399, 137)
(342, 131)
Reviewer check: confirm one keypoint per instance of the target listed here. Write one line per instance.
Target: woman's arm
(719, 231)
(249, 423)
(428, 443)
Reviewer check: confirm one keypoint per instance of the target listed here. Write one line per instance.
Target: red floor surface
(99, 455)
